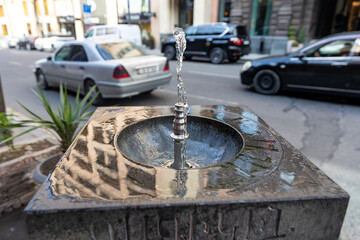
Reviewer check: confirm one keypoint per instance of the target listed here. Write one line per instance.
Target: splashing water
(179, 36)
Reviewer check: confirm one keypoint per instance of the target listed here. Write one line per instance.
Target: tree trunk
(2, 101)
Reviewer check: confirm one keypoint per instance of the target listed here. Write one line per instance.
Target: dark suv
(217, 41)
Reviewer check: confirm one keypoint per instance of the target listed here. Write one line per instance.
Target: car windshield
(119, 50)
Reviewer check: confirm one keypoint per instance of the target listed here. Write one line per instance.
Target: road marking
(210, 100)
(15, 63)
(214, 74)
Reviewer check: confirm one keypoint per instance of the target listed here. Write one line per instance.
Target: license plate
(146, 70)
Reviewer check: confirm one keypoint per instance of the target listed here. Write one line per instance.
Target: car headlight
(246, 66)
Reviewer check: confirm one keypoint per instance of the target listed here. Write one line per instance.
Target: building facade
(318, 18)
(181, 13)
(19, 18)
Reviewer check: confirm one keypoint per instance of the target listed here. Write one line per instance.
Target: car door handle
(339, 64)
(81, 68)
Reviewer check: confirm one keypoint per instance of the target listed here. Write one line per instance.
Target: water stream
(179, 36)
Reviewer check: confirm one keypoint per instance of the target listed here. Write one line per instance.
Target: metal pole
(179, 136)
(2, 101)
(128, 11)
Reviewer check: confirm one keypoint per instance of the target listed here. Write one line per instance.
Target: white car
(129, 32)
(51, 43)
(118, 68)
(8, 42)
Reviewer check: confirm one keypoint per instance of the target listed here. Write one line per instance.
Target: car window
(190, 31)
(218, 30)
(89, 33)
(240, 31)
(119, 50)
(78, 54)
(338, 48)
(355, 51)
(63, 53)
(204, 31)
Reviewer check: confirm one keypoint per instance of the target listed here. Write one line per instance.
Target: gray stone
(267, 191)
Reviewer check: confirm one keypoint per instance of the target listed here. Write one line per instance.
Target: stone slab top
(95, 174)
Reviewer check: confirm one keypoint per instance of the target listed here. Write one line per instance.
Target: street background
(324, 128)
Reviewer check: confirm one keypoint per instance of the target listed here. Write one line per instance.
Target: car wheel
(41, 80)
(88, 85)
(233, 59)
(217, 56)
(28, 46)
(267, 82)
(169, 52)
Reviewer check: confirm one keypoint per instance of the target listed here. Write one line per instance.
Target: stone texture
(16, 183)
(268, 191)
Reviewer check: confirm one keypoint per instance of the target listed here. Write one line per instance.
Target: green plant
(292, 33)
(64, 123)
(295, 44)
(6, 121)
(301, 36)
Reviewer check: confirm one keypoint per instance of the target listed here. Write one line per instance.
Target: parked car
(26, 42)
(8, 42)
(51, 43)
(118, 68)
(329, 65)
(218, 41)
(129, 32)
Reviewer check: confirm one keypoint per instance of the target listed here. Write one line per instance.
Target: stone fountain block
(246, 182)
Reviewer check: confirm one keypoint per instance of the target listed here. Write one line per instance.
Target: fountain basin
(210, 142)
(264, 189)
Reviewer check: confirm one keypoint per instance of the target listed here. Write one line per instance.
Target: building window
(2, 11)
(260, 17)
(4, 30)
(46, 8)
(186, 8)
(26, 13)
(48, 27)
(224, 10)
(28, 25)
(37, 8)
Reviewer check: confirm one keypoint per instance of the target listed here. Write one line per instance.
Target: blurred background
(321, 118)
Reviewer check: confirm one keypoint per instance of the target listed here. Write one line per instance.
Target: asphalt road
(325, 129)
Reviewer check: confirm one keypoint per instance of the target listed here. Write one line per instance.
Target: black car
(26, 42)
(216, 40)
(330, 65)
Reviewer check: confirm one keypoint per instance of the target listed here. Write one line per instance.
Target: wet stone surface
(252, 183)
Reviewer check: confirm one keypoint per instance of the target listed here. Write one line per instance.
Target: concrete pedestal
(269, 190)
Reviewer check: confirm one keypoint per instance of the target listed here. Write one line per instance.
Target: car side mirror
(48, 58)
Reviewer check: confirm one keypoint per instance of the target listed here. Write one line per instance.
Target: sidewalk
(13, 225)
(253, 56)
